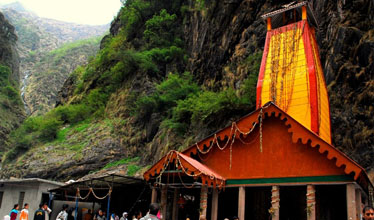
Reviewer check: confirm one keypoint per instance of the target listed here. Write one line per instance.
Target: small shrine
(276, 162)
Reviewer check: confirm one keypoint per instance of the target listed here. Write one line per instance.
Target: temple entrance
(188, 203)
(228, 203)
(257, 203)
(293, 203)
(331, 202)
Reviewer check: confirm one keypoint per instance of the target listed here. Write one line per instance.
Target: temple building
(276, 162)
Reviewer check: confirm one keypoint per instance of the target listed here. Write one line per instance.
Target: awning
(104, 181)
(186, 165)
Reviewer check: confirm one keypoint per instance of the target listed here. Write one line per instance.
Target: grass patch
(132, 169)
(82, 127)
(121, 162)
(61, 134)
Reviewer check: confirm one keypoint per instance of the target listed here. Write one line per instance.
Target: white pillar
(351, 202)
(241, 202)
(311, 202)
(214, 214)
(275, 203)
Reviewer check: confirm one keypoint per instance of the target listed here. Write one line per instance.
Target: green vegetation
(73, 46)
(147, 49)
(8, 92)
(121, 162)
(182, 102)
(132, 169)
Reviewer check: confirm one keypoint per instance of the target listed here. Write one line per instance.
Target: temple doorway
(293, 203)
(331, 202)
(257, 203)
(228, 203)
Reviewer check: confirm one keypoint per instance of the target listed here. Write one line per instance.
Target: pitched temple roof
(243, 127)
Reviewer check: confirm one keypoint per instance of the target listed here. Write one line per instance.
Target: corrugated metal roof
(102, 181)
(28, 180)
(277, 18)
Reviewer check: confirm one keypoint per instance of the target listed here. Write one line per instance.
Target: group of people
(41, 214)
(153, 214)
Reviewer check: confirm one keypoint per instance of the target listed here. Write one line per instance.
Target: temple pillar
(241, 202)
(269, 24)
(303, 12)
(311, 202)
(351, 202)
(275, 202)
(214, 214)
(154, 195)
(358, 203)
(203, 200)
(175, 204)
(164, 196)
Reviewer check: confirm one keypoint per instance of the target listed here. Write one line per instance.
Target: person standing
(47, 211)
(124, 216)
(88, 215)
(39, 214)
(24, 213)
(153, 210)
(14, 212)
(100, 215)
(63, 215)
(368, 213)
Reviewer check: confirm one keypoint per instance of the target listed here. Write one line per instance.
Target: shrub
(159, 30)
(167, 94)
(11, 92)
(71, 113)
(48, 129)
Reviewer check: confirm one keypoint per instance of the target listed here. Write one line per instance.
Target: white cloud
(92, 12)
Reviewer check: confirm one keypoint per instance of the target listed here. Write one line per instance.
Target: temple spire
(291, 74)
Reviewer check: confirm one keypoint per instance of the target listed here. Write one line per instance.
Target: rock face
(346, 39)
(220, 38)
(11, 109)
(41, 69)
(228, 31)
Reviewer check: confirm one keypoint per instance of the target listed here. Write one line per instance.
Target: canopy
(186, 165)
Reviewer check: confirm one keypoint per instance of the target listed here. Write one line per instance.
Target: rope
(101, 198)
(85, 197)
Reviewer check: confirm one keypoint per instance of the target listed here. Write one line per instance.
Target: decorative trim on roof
(285, 8)
(298, 132)
(188, 166)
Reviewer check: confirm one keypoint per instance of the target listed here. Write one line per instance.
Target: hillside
(50, 71)
(172, 72)
(40, 67)
(11, 108)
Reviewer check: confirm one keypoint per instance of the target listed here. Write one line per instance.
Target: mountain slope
(50, 71)
(172, 72)
(37, 38)
(11, 108)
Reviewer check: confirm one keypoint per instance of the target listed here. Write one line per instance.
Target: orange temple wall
(280, 157)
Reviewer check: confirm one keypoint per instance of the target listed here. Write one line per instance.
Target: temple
(276, 162)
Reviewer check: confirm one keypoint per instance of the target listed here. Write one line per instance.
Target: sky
(92, 12)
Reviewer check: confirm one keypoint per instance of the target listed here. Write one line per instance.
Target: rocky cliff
(11, 109)
(166, 78)
(42, 70)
